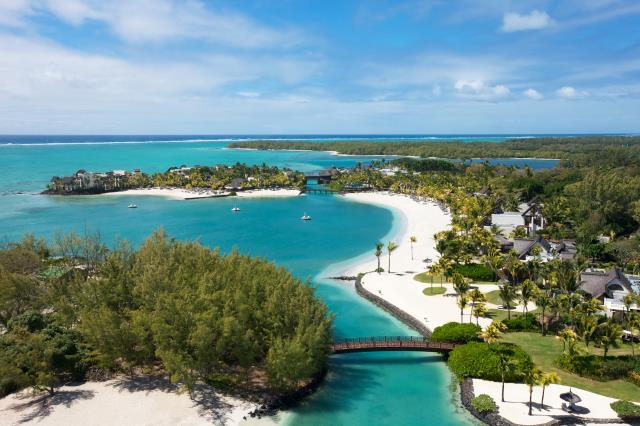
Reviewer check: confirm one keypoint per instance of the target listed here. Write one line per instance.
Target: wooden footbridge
(389, 343)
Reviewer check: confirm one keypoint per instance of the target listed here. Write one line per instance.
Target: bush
(482, 361)
(484, 404)
(598, 368)
(520, 323)
(475, 271)
(626, 409)
(455, 332)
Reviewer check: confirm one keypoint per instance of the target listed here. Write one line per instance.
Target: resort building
(610, 288)
(529, 216)
(538, 248)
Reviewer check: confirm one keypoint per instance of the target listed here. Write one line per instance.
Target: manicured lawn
(427, 278)
(494, 297)
(431, 291)
(544, 350)
(502, 314)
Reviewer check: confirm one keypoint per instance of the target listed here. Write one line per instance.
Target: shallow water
(395, 388)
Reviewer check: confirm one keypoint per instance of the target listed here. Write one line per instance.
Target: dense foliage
(483, 403)
(192, 311)
(455, 332)
(474, 271)
(599, 368)
(482, 361)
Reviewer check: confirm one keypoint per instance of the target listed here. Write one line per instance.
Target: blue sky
(259, 66)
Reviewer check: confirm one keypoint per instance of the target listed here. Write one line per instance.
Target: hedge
(520, 323)
(626, 409)
(599, 368)
(455, 332)
(482, 361)
(475, 271)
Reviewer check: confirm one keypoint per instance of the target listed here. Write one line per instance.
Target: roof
(596, 283)
(523, 246)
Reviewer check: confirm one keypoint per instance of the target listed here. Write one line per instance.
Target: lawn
(432, 291)
(502, 314)
(494, 297)
(427, 278)
(544, 350)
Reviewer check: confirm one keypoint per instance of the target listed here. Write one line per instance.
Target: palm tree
(505, 365)
(477, 297)
(634, 327)
(494, 260)
(542, 301)
(527, 292)
(567, 336)
(609, 333)
(462, 304)
(460, 284)
(507, 295)
(588, 327)
(628, 300)
(378, 253)
(391, 246)
(493, 332)
(532, 377)
(412, 240)
(479, 310)
(549, 378)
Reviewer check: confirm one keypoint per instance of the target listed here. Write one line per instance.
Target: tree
(378, 253)
(460, 284)
(506, 366)
(569, 338)
(462, 304)
(479, 310)
(588, 327)
(608, 334)
(542, 301)
(527, 293)
(507, 295)
(412, 240)
(628, 300)
(532, 378)
(477, 299)
(549, 378)
(391, 246)
(493, 332)
(634, 327)
(494, 260)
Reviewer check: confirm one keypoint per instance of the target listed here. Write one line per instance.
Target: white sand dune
(141, 401)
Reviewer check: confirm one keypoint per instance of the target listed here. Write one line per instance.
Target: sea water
(361, 389)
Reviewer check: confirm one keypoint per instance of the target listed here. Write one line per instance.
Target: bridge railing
(389, 342)
(374, 339)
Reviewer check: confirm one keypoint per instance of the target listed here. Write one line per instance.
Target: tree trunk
(411, 251)
(542, 323)
(503, 387)
(542, 400)
(461, 320)
(508, 311)
(530, 400)
(389, 270)
(378, 264)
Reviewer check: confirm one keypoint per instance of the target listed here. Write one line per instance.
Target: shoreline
(189, 194)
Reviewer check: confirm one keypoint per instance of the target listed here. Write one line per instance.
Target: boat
(132, 206)
(305, 217)
(235, 209)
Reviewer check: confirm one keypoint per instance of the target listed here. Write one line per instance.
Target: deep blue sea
(362, 389)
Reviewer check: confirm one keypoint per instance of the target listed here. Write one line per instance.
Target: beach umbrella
(570, 397)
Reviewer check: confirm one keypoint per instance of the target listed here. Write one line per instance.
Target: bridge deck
(389, 343)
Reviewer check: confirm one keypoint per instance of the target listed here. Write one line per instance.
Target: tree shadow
(44, 405)
(145, 384)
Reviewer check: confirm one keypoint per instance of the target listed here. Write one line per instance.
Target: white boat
(132, 206)
(305, 217)
(235, 209)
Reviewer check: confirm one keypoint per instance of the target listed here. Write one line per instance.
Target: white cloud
(512, 21)
(479, 90)
(569, 92)
(533, 94)
(12, 12)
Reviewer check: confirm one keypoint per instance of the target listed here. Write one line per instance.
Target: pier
(389, 344)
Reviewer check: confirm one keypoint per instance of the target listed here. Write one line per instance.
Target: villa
(610, 288)
(538, 248)
(529, 216)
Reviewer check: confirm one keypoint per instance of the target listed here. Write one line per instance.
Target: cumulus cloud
(569, 92)
(533, 94)
(535, 20)
(479, 90)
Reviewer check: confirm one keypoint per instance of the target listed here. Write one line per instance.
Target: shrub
(456, 333)
(521, 323)
(598, 368)
(484, 404)
(626, 409)
(475, 271)
(482, 361)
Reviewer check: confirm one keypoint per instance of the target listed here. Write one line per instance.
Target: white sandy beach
(421, 219)
(516, 409)
(140, 401)
(188, 194)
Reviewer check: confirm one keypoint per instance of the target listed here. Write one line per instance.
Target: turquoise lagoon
(361, 389)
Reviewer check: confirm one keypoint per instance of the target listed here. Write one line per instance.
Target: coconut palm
(462, 304)
(479, 310)
(494, 260)
(506, 365)
(460, 284)
(549, 378)
(391, 246)
(412, 240)
(532, 378)
(527, 293)
(588, 327)
(634, 327)
(628, 300)
(507, 296)
(608, 334)
(493, 332)
(542, 301)
(477, 298)
(567, 336)
(378, 253)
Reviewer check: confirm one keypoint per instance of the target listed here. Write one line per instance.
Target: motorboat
(305, 217)
(235, 209)
(132, 206)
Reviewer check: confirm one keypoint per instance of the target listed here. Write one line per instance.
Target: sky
(309, 67)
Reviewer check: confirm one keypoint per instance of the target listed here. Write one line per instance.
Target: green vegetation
(454, 332)
(240, 176)
(493, 297)
(483, 403)
(433, 291)
(427, 278)
(475, 272)
(544, 350)
(181, 307)
(482, 361)
(626, 409)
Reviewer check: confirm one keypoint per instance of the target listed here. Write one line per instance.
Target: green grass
(502, 314)
(432, 291)
(494, 297)
(544, 350)
(426, 278)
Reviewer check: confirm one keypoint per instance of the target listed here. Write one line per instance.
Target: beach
(125, 401)
(192, 194)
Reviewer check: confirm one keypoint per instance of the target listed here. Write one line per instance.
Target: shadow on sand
(43, 405)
